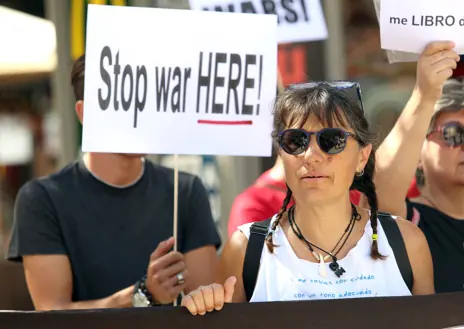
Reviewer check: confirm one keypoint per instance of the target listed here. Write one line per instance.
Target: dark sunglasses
(348, 86)
(452, 133)
(330, 140)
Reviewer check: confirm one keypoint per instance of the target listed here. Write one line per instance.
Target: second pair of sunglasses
(452, 133)
(330, 140)
(352, 89)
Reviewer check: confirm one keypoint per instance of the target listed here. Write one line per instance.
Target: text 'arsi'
(288, 11)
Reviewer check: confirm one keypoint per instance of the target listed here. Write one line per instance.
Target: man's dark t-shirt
(108, 233)
(445, 236)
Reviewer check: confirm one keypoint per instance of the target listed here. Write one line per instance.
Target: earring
(360, 173)
(420, 178)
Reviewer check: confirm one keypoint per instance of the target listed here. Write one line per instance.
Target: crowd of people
(336, 217)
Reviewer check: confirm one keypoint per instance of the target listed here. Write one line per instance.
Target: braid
(288, 197)
(366, 185)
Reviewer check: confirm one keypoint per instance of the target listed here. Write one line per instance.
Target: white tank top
(283, 276)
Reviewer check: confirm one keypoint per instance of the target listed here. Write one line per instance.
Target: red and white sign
(199, 90)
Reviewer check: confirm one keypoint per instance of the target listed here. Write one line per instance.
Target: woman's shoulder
(419, 255)
(245, 228)
(238, 242)
(233, 254)
(413, 237)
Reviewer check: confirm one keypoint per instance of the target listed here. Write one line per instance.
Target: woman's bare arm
(398, 155)
(419, 257)
(231, 264)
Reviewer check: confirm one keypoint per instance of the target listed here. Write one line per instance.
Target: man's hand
(435, 66)
(162, 274)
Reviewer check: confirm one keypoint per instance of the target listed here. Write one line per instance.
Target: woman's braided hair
(276, 222)
(332, 107)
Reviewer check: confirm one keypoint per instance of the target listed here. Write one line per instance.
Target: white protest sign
(299, 20)
(395, 56)
(164, 81)
(410, 25)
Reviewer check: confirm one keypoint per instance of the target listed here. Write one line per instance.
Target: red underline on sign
(216, 122)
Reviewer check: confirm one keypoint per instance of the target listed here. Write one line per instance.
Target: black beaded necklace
(334, 266)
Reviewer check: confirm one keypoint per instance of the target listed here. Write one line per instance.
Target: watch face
(140, 300)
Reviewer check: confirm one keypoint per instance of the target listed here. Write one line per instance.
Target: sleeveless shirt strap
(258, 233)
(396, 241)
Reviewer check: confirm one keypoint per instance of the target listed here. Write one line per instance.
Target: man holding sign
(89, 232)
(98, 234)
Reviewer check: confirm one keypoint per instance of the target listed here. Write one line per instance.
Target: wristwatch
(141, 297)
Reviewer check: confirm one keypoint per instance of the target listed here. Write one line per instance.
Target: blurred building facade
(39, 132)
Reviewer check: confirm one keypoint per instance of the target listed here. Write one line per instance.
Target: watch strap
(141, 286)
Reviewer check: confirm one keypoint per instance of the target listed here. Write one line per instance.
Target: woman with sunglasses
(428, 140)
(323, 247)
